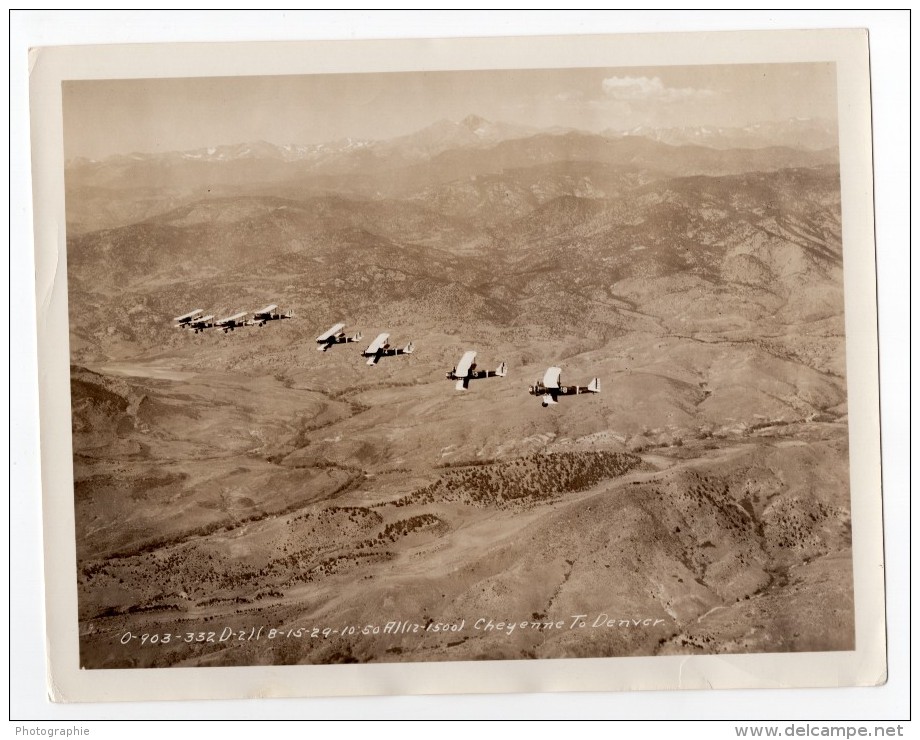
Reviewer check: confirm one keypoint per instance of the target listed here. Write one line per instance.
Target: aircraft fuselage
(472, 375)
(564, 390)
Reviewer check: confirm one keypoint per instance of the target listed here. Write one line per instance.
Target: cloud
(651, 89)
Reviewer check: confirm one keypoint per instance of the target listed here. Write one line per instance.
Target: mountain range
(128, 188)
(799, 133)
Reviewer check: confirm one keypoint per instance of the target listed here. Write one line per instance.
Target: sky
(105, 117)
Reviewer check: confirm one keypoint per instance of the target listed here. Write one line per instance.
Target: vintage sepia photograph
(458, 365)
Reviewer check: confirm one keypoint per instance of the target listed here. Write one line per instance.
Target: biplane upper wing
(330, 333)
(466, 362)
(378, 344)
(463, 370)
(551, 377)
(376, 348)
(265, 312)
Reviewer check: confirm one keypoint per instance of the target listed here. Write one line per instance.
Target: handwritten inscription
(482, 625)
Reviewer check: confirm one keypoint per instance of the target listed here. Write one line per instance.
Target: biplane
(335, 335)
(465, 371)
(187, 318)
(269, 313)
(550, 388)
(380, 347)
(232, 322)
(201, 323)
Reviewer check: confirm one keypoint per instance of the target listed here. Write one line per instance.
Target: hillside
(744, 255)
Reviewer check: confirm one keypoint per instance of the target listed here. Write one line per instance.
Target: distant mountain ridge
(444, 162)
(474, 131)
(798, 133)
(436, 154)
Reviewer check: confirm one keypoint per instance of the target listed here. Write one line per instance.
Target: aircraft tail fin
(594, 386)
(409, 348)
(501, 371)
(357, 337)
